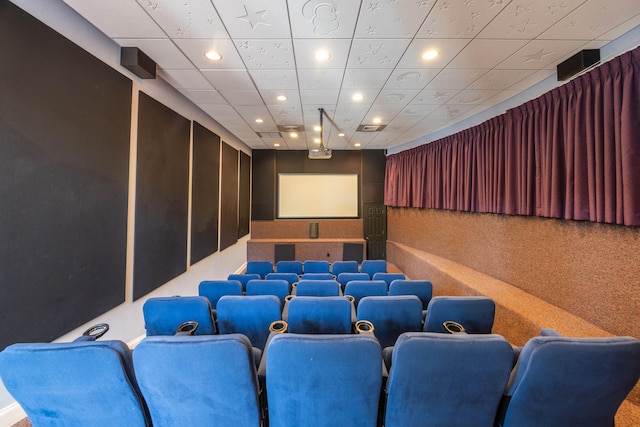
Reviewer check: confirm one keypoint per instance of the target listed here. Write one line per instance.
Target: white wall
(126, 321)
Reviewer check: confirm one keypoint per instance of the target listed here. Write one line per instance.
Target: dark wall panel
(373, 168)
(244, 205)
(162, 186)
(229, 197)
(205, 193)
(65, 123)
(263, 197)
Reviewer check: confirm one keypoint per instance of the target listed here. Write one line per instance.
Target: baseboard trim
(11, 414)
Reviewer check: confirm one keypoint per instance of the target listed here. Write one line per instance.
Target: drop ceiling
(489, 51)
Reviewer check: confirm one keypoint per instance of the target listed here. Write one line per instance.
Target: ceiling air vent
(371, 128)
(269, 135)
(291, 128)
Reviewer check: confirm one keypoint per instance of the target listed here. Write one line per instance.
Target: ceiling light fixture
(293, 134)
(357, 144)
(430, 54)
(357, 97)
(281, 98)
(377, 120)
(212, 55)
(276, 145)
(317, 140)
(341, 134)
(259, 121)
(317, 128)
(322, 55)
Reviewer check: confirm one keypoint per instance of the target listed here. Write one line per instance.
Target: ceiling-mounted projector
(320, 153)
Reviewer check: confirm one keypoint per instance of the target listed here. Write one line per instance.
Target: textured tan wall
(299, 229)
(590, 270)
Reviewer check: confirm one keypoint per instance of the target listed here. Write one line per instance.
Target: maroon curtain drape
(573, 153)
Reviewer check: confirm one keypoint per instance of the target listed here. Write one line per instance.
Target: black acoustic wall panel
(162, 186)
(263, 200)
(244, 202)
(373, 169)
(205, 195)
(64, 169)
(229, 197)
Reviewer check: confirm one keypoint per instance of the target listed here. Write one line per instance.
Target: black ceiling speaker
(579, 62)
(138, 62)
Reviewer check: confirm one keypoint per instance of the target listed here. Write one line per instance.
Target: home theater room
(320, 213)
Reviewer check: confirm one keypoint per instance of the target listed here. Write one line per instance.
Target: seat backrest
(289, 267)
(289, 277)
(190, 381)
(359, 289)
(391, 316)
(474, 313)
(447, 379)
(373, 266)
(313, 266)
(344, 278)
(82, 383)
(338, 267)
(259, 267)
(248, 315)
(323, 380)
(163, 315)
(243, 278)
(317, 276)
(317, 288)
(388, 277)
(423, 289)
(278, 287)
(570, 381)
(319, 315)
(214, 289)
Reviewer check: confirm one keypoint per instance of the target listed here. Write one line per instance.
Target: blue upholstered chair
(388, 277)
(344, 278)
(317, 276)
(278, 287)
(243, 278)
(317, 288)
(319, 315)
(163, 315)
(313, 266)
(373, 266)
(423, 289)
(391, 316)
(323, 380)
(259, 267)
(214, 289)
(573, 382)
(474, 313)
(338, 267)
(444, 380)
(289, 277)
(198, 380)
(289, 267)
(81, 383)
(249, 315)
(359, 289)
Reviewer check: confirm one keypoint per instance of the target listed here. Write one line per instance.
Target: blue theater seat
(261, 268)
(198, 380)
(214, 289)
(244, 278)
(163, 315)
(445, 380)
(323, 380)
(344, 278)
(313, 266)
(289, 267)
(278, 287)
(388, 277)
(423, 289)
(319, 315)
(338, 267)
(373, 266)
(562, 381)
(249, 315)
(391, 316)
(289, 277)
(359, 289)
(474, 313)
(317, 276)
(317, 288)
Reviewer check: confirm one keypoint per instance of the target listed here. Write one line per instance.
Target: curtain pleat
(572, 153)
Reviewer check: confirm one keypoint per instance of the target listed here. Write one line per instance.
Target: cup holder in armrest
(351, 299)
(96, 331)
(288, 298)
(454, 327)
(364, 326)
(278, 327)
(187, 328)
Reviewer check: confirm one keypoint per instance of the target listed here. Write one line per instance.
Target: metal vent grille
(291, 128)
(371, 128)
(269, 135)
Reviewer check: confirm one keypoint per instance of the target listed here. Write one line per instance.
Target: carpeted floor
(22, 423)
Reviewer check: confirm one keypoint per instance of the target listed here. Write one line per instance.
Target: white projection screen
(304, 195)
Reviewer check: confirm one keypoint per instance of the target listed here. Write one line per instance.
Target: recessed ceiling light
(316, 140)
(317, 128)
(212, 55)
(357, 97)
(276, 145)
(377, 120)
(357, 144)
(430, 54)
(293, 134)
(341, 134)
(322, 55)
(259, 121)
(281, 98)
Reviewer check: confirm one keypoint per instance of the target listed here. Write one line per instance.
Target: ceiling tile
(321, 78)
(323, 19)
(271, 54)
(363, 78)
(274, 79)
(204, 96)
(238, 98)
(195, 49)
(455, 78)
(322, 97)
(403, 78)
(459, 19)
(228, 79)
(185, 79)
(306, 48)
(481, 53)
(472, 96)
(394, 19)
(500, 79)
(376, 53)
(539, 54)
(254, 19)
(192, 19)
(447, 48)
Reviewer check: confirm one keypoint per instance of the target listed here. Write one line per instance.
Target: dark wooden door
(375, 230)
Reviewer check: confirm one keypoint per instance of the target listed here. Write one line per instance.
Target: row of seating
(320, 380)
(262, 268)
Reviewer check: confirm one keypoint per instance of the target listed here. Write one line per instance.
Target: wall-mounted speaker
(581, 61)
(136, 61)
(313, 230)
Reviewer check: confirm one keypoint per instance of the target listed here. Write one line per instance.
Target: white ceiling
(490, 50)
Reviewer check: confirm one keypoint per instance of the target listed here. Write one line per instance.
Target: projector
(320, 153)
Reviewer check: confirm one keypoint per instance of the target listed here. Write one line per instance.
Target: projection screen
(317, 195)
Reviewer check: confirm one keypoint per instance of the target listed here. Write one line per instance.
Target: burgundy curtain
(573, 153)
